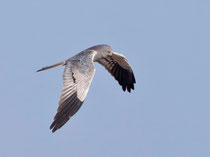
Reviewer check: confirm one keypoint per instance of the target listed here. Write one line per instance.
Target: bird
(78, 75)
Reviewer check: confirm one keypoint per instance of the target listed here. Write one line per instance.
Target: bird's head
(103, 51)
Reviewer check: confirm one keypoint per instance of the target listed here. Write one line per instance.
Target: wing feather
(119, 68)
(76, 82)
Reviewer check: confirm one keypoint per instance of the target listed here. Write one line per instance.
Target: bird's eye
(109, 52)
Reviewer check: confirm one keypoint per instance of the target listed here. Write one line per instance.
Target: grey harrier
(78, 75)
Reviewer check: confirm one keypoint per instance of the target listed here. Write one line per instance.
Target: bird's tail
(52, 66)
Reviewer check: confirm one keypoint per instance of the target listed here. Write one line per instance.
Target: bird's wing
(77, 78)
(120, 69)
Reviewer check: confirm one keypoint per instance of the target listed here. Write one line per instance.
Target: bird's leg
(52, 66)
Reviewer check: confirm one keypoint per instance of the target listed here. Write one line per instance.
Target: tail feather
(52, 66)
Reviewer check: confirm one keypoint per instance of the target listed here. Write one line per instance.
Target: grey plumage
(78, 75)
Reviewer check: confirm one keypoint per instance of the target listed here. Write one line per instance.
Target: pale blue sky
(168, 46)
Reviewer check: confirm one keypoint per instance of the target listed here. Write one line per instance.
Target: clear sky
(166, 42)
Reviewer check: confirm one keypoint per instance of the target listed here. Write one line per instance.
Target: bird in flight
(78, 75)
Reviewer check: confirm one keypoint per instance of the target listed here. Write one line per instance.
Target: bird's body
(78, 75)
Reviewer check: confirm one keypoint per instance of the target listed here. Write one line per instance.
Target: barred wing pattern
(120, 69)
(76, 83)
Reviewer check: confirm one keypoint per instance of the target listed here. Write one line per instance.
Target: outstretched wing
(120, 69)
(76, 82)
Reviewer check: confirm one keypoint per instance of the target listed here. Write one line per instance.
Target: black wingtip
(123, 87)
(69, 107)
(54, 129)
(51, 127)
